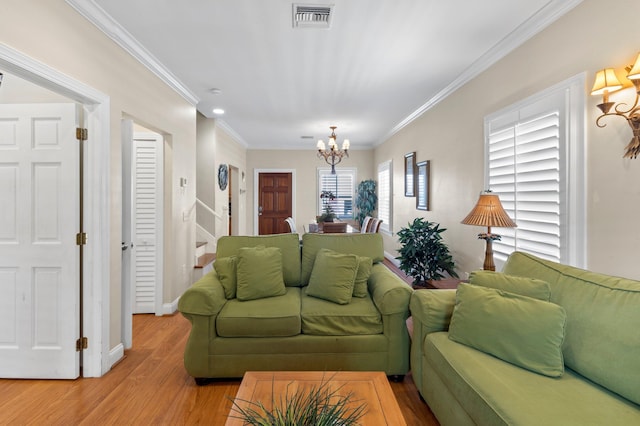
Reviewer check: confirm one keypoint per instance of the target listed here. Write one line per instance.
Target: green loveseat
(295, 331)
(599, 344)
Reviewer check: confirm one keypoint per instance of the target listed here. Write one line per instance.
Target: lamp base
(488, 257)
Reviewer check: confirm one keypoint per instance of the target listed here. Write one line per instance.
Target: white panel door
(146, 227)
(39, 211)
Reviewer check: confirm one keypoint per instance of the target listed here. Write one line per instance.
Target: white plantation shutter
(528, 167)
(384, 195)
(342, 185)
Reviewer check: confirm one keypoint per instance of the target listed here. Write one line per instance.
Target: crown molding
(536, 23)
(232, 133)
(103, 21)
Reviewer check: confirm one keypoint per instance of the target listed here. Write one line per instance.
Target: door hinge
(82, 343)
(81, 238)
(81, 134)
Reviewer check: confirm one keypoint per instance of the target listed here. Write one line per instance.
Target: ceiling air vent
(311, 16)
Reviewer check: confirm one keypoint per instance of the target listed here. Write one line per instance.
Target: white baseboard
(391, 258)
(115, 355)
(170, 308)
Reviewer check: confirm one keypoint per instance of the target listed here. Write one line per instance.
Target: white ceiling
(380, 63)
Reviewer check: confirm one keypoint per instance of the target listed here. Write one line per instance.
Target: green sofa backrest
(369, 245)
(602, 334)
(288, 243)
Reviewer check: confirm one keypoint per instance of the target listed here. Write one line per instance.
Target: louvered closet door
(147, 223)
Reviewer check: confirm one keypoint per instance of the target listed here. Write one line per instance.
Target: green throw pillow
(333, 276)
(226, 269)
(521, 330)
(360, 287)
(530, 287)
(259, 273)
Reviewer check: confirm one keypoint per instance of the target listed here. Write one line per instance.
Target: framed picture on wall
(422, 185)
(409, 174)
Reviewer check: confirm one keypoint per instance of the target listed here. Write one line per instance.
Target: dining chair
(365, 224)
(292, 225)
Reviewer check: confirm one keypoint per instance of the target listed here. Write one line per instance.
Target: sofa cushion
(524, 286)
(521, 330)
(271, 317)
(323, 318)
(498, 393)
(226, 269)
(333, 276)
(259, 273)
(601, 337)
(288, 243)
(369, 245)
(360, 286)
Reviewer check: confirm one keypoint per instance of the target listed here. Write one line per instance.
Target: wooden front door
(275, 196)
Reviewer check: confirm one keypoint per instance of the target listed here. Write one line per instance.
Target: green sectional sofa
(572, 360)
(315, 321)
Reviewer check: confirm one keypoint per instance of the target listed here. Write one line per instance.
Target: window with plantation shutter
(342, 186)
(535, 164)
(384, 195)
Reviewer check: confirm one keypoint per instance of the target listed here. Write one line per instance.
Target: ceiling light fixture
(218, 111)
(607, 82)
(332, 155)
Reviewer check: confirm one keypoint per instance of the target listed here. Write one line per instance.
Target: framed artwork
(223, 176)
(422, 185)
(409, 174)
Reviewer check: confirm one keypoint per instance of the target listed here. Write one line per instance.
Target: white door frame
(97, 190)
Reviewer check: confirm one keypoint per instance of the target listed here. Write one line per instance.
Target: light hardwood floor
(149, 387)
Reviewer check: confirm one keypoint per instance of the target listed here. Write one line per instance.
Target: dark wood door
(274, 202)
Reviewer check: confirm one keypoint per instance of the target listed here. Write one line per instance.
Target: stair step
(204, 260)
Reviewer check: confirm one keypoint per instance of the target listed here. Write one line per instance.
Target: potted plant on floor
(423, 253)
(366, 199)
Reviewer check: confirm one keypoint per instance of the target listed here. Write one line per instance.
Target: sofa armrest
(390, 294)
(432, 309)
(430, 312)
(204, 297)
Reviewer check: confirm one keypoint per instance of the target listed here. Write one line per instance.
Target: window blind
(342, 186)
(524, 170)
(384, 195)
(535, 163)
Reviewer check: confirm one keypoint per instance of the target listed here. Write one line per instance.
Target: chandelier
(332, 155)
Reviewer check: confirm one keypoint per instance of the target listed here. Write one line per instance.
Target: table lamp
(488, 212)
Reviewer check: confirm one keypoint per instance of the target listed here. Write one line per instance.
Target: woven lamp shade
(489, 212)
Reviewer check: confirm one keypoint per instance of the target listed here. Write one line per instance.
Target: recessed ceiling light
(218, 111)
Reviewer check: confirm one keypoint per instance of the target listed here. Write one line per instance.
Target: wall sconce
(607, 82)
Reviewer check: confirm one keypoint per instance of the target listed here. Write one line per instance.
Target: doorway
(234, 200)
(274, 201)
(95, 108)
(142, 224)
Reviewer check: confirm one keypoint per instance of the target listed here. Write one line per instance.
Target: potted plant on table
(424, 255)
(328, 215)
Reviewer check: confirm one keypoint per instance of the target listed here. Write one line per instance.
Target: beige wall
(230, 152)
(306, 164)
(216, 147)
(594, 35)
(51, 32)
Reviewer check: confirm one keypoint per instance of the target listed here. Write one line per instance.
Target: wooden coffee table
(370, 387)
